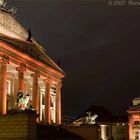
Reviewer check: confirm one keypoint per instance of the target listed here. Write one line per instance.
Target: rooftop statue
(9, 9)
(90, 119)
(2, 3)
(22, 100)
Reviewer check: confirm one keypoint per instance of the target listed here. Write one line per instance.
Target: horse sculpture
(90, 119)
(22, 100)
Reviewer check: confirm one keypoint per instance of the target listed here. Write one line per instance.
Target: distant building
(25, 66)
(134, 120)
(110, 126)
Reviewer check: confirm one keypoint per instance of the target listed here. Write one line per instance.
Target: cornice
(20, 57)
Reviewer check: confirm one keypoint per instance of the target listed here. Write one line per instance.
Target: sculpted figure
(3, 3)
(90, 119)
(22, 100)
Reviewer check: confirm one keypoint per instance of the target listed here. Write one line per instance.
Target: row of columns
(35, 102)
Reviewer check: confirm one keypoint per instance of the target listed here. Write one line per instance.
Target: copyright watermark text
(123, 2)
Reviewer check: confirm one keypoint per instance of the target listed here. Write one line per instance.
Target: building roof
(30, 49)
(134, 109)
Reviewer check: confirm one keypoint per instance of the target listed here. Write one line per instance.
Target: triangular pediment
(31, 50)
(12, 33)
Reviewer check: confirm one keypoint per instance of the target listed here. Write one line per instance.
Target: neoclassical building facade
(134, 119)
(25, 66)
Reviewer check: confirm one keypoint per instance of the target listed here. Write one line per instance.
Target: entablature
(18, 58)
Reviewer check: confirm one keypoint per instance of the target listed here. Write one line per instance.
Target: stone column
(3, 88)
(58, 103)
(35, 99)
(47, 101)
(130, 127)
(21, 71)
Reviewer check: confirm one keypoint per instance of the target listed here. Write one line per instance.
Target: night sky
(98, 46)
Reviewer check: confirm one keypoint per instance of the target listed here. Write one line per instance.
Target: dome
(9, 26)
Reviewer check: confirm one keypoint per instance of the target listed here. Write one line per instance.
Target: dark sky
(98, 45)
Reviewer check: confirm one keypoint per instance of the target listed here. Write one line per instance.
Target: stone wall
(18, 126)
(86, 132)
(120, 132)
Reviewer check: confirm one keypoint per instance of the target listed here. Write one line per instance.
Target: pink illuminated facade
(134, 120)
(25, 66)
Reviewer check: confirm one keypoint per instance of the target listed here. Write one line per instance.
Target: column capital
(36, 74)
(47, 80)
(21, 68)
(4, 60)
(59, 85)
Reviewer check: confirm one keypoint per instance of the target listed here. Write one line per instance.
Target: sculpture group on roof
(90, 119)
(7, 8)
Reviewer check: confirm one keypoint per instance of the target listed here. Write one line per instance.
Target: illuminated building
(26, 67)
(134, 120)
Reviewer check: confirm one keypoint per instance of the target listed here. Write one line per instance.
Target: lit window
(31, 96)
(136, 135)
(8, 87)
(136, 122)
(53, 103)
(42, 105)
